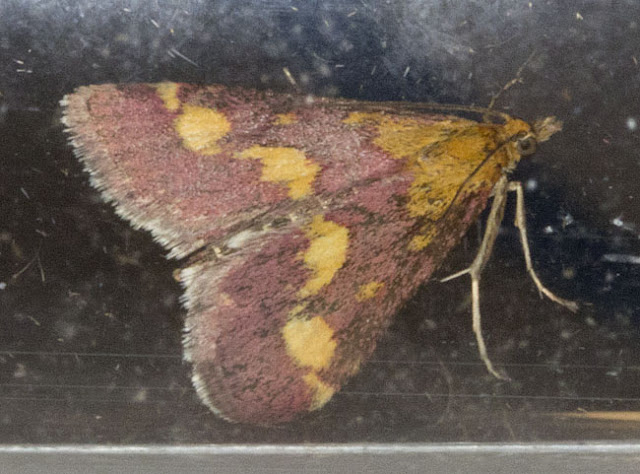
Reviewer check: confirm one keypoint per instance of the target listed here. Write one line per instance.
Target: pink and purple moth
(303, 224)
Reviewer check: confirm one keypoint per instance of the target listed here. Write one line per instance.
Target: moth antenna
(516, 80)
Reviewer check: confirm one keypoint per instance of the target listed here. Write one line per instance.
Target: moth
(302, 224)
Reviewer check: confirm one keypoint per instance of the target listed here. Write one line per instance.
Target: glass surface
(90, 319)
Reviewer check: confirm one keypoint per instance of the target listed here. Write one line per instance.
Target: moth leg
(521, 224)
(475, 269)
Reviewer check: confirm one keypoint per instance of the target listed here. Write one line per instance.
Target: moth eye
(526, 145)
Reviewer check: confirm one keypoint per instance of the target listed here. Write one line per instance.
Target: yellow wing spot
(405, 137)
(321, 392)
(446, 157)
(286, 119)
(441, 171)
(440, 155)
(326, 254)
(168, 92)
(285, 165)
(368, 290)
(421, 241)
(201, 128)
(309, 342)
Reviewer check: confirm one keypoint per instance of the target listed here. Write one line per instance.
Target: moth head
(526, 143)
(525, 137)
(541, 131)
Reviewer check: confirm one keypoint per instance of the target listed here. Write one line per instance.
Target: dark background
(90, 317)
